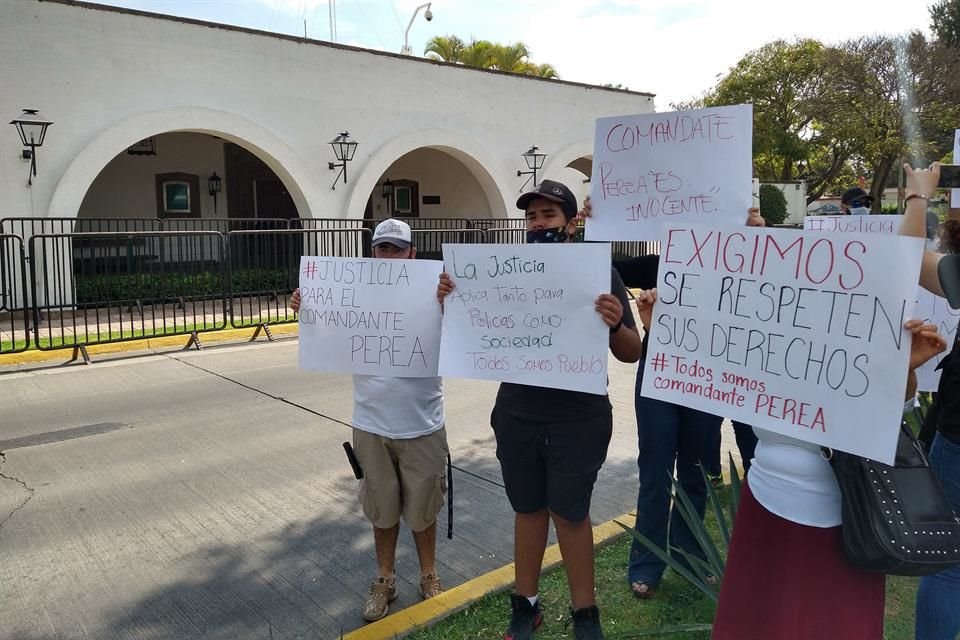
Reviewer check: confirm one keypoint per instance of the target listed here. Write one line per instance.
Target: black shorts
(551, 465)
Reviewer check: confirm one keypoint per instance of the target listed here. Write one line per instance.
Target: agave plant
(704, 573)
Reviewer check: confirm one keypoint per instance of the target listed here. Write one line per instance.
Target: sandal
(642, 590)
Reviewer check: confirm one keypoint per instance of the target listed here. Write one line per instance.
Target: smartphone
(949, 176)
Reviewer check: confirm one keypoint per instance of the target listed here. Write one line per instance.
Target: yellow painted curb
(145, 344)
(449, 602)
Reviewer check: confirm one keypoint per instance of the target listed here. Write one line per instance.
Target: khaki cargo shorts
(402, 477)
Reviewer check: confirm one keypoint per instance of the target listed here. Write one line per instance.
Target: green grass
(676, 603)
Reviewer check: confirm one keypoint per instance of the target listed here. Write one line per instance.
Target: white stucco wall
(110, 78)
(126, 187)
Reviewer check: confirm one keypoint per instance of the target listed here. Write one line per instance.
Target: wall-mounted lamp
(343, 150)
(386, 190)
(32, 128)
(214, 186)
(534, 160)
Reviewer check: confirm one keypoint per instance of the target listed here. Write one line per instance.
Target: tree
(773, 204)
(483, 54)
(945, 22)
(799, 132)
(905, 101)
(446, 48)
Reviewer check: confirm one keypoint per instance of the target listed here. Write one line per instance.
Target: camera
(428, 15)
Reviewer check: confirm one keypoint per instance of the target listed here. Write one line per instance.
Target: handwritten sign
(888, 224)
(935, 310)
(797, 333)
(372, 317)
(526, 314)
(955, 193)
(930, 308)
(670, 168)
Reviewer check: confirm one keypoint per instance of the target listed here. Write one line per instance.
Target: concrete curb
(145, 344)
(429, 612)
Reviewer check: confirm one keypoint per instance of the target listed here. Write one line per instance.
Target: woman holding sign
(551, 443)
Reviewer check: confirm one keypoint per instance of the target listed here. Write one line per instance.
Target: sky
(677, 49)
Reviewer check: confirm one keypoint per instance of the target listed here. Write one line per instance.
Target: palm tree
(483, 54)
(544, 71)
(446, 48)
(479, 53)
(511, 57)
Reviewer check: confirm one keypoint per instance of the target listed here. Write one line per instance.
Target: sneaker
(586, 624)
(524, 619)
(716, 481)
(430, 586)
(383, 591)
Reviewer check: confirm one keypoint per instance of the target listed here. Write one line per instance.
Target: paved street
(200, 495)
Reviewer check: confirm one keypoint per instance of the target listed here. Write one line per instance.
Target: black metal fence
(75, 282)
(14, 314)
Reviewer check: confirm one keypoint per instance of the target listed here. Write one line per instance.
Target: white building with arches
(146, 108)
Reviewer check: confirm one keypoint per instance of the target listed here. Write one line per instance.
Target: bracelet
(915, 195)
(616, 327)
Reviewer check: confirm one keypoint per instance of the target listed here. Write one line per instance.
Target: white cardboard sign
(793, 332)
(526, 314)
(370, 316)
(662, 169)
(930, 308)
(888, 224)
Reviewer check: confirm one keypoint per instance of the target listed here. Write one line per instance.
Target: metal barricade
(429, 242)
(26, 227)
(14, 304)
(500, 235)
(261, 281)
(160, 283)
(498, 223)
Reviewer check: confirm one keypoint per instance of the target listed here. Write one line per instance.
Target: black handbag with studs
(896, 520)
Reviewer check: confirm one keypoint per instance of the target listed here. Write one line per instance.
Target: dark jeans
(746, 445)
(937, 614)
(668, 435)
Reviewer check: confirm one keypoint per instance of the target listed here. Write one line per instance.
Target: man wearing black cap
(937, 615)
(551, 443)
(856, 202)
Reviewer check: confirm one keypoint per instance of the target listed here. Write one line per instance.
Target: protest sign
(794, 332)
(935, 310)
(368, 316)
(888, 224)
(527, 314)
(670, 168)
(955, 193)
(930, 308)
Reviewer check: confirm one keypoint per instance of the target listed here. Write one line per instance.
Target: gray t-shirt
(543, 404)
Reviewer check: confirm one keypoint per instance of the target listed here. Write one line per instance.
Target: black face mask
(547, 236)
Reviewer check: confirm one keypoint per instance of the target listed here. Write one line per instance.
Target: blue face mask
(547, 236)
(859, 211)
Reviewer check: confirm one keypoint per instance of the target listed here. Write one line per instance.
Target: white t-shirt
(792, 480)
(397, 408)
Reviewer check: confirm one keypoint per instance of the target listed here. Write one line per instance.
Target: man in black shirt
(551, 443)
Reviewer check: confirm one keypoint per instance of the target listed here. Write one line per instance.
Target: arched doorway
(189, 177)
